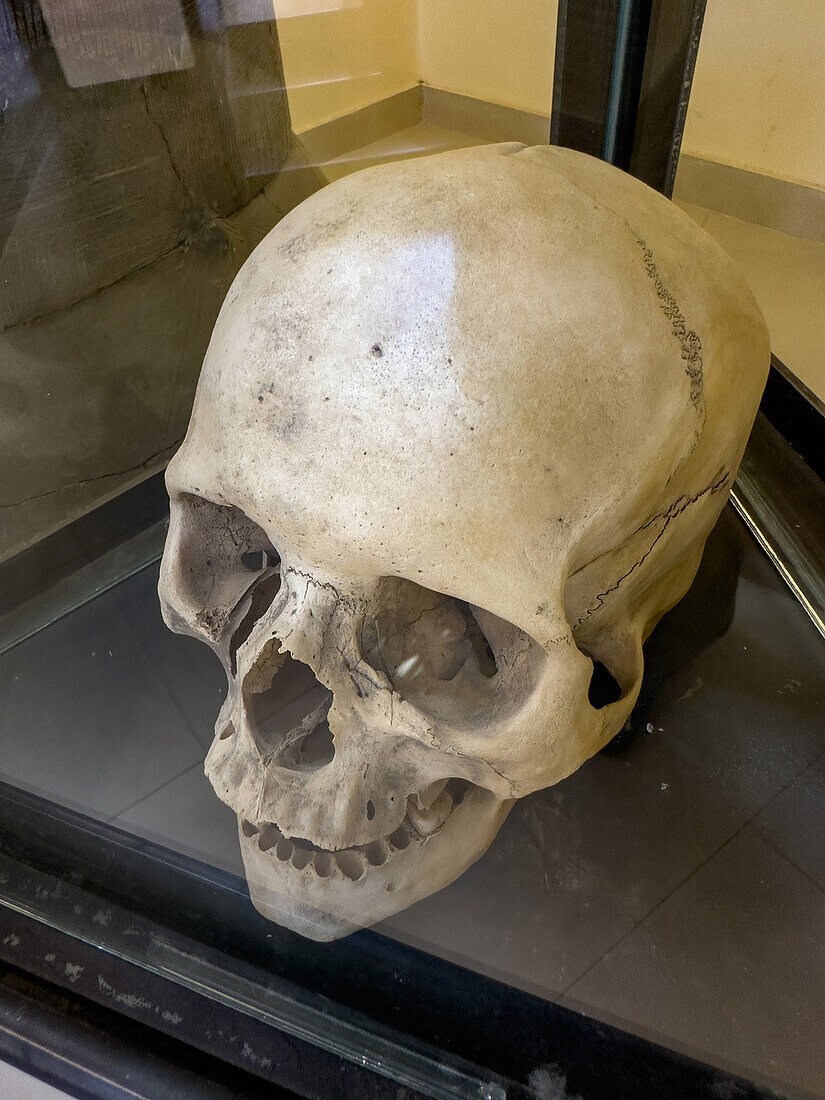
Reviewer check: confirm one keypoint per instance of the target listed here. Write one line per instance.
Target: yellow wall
(351, 54)
(498, 50)
(345, 54)
(758, 98)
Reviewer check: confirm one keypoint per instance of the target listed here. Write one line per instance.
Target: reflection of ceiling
(99, 41)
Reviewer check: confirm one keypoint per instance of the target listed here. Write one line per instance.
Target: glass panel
(146, 150)
(148, 147)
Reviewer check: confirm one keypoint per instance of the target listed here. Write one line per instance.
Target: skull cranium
(462, 430)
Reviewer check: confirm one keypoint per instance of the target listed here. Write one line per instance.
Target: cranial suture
(461, 432)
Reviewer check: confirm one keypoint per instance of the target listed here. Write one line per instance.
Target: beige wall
(498, 50)
(359, 51)
(352, 54)
(758, 98)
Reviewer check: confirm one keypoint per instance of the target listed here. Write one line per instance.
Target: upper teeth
(419, 822)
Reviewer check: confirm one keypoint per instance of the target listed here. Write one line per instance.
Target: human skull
(461, 432)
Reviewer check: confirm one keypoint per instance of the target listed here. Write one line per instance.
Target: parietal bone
(461, 432)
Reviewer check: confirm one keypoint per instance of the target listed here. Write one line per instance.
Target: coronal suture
(691, 342)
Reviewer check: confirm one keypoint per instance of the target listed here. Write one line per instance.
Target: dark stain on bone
(295, 246)
(690, 341)
(377, 351)
(289, 426)
(213, 621)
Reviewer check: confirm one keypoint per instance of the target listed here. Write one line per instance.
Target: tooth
(247, 828)
(351, 863)
(269, 837)
(427, 821)
(284, 849)
(323, 863)
(301, 857)
(376, 853)
(426, 797)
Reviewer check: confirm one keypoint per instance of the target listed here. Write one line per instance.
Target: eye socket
(449, 659)
(261, 598)
(257, 560)
(426, 637)
(215, 554)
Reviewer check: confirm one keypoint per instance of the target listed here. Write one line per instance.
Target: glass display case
(653, 924)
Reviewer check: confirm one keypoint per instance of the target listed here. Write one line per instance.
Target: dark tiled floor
(748, 710)
(86, 719)
(675, 884)
(794, 822)
(187, 809)
(583, 862)
(189, 671)
(730, 968)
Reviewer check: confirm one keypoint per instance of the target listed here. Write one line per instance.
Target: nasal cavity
(309, 751)
(287, 711)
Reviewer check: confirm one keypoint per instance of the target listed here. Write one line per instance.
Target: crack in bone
(436, 744)
(355, 670)
(347, 601)
(675, 509)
